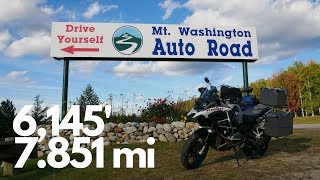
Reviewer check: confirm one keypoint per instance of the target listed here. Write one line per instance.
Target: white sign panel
(77, 40)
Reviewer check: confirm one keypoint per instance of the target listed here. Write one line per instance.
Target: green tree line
(8, 113)
(303, 84)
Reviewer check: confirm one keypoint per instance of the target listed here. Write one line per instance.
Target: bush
(162, 111)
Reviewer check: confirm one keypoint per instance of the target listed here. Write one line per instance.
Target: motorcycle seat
(253, 113)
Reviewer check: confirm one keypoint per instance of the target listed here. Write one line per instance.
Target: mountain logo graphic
(127, 40)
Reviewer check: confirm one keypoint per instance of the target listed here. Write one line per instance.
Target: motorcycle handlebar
(248, 89)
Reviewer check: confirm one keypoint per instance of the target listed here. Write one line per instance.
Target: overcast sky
(287, 30)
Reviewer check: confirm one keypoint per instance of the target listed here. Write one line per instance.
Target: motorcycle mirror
(206, 80)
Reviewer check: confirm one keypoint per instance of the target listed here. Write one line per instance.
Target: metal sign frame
(66, 82)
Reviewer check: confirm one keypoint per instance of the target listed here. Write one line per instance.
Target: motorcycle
(224, 126)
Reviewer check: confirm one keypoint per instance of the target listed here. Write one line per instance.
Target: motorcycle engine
(235, 115)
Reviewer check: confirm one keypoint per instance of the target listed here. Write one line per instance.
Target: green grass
(298, 153)
(307, 120)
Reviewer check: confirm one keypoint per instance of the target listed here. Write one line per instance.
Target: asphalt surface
(306, 126)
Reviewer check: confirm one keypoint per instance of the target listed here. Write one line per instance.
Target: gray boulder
(152, 124)
(129, 130)
(162, 138)
(160, 131)
(167, 127)
(138, 133)
(113, 138)
(176, 135)
(178, 124)
(151, 129)
(120, 125)
(145, 129)
(155, 134)
(107, 128)
(170, 137)
(159, 126)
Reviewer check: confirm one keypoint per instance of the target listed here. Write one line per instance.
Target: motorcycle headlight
(204, 104)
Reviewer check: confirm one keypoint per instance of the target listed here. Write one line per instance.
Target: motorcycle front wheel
(195, 150)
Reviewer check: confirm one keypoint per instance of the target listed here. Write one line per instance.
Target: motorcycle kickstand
(235, 155)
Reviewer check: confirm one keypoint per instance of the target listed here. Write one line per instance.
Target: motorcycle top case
(279, 124)
(275, 97)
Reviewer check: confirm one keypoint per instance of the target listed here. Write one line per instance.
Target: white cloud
(139, 98)
(96, 8)
(71, 15)
(84, 67)
(4, 39)
(165, 68)
(16, 78)
(284, 28)
(14, 74)
(30, 17)
(51, 11)
(24, 16)
(34, 45)
(45, 60)
(169, 6)
(17, 9)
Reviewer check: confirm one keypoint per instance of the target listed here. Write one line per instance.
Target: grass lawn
(307, 120)
(297, 156)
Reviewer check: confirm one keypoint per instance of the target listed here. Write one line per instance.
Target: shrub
(162, 111)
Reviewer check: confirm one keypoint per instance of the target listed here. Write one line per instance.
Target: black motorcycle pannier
(279, 124)
(232, 93)
(275, 97)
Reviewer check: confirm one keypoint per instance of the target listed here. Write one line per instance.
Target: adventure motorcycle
(224, 126)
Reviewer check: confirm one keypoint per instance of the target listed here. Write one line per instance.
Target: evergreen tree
(39, 113)
(88, 97)
(7, 115)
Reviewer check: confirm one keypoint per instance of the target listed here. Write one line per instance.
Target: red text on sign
(93, 40)
(80, 28)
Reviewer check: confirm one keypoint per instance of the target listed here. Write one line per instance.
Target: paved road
(306, 126)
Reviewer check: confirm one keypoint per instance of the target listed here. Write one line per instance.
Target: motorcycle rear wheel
(259, 149)
(190, 156)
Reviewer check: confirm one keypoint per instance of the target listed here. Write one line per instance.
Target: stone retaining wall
(129, 133)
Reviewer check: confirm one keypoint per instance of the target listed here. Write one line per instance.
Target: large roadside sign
(116, 41)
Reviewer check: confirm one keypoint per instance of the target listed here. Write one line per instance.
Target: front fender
(204, 132)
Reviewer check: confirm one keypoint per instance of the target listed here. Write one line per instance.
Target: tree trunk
(310, 97)
(295, 114)
(7, 169)
(300, 96)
